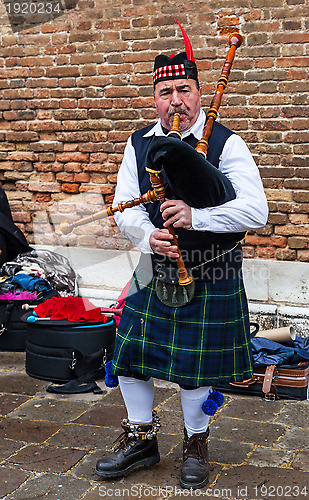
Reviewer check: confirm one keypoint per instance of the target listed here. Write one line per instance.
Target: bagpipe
(191, 178)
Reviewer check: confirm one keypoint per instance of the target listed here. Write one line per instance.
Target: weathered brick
(303, 255)
(292, 230)
(49, 187)
(298, 242)
(279, 195)
(265, 252)
(266, 241)
(72, 157)
(285, 254)
(70, 114)
(22, 136)
(299, 218)
(278, 219)
(70, 188)
(301, 196)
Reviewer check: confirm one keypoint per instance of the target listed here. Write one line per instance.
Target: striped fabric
(202, 343)
(169, 71)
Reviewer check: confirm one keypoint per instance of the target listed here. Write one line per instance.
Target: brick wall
(73, 90)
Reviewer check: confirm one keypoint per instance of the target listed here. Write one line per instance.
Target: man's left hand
(176, 213)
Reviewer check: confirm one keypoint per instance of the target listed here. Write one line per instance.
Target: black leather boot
(195, 468)
(136, 446)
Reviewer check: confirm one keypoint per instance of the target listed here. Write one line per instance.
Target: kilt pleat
(203, 343)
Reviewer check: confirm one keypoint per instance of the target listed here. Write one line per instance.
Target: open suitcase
(275, 382)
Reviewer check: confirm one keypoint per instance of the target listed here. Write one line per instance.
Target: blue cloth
(267, 352)
(30, 283)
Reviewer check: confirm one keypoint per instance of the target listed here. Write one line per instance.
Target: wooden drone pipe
(235, 40)
(149, 197)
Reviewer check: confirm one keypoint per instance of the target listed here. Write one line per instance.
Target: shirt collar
(196, 129)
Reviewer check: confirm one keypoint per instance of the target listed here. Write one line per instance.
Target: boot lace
(196, 448)
(123, 440)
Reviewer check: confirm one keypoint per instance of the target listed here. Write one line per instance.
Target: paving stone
(227, 452)
(53, 410)
(172, 404)
(301, 461)
(295, 439)
(162, 395)
(85, 437)
(264, 456)
(9, 402)
(169, 443)
(103, 414)
(7, 447)
(252, 409)
(85, 397)
(46, 458)
(52, 487)
(113, 397)
(248, 481)
(296, 415)
(95, 494)
(12, 361)
(10, 479)
(244, 431)
(29, 431)
(170, 425)
(85, 468)
(20, 383)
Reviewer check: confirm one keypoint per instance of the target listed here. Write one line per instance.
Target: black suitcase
(275, 382)
(60, 351)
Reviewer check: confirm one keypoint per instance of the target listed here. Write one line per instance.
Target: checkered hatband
(176, 66)
(169, 72)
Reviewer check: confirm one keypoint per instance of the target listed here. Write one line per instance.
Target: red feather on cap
(188, 46)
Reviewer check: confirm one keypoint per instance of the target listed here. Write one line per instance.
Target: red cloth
(70, 308)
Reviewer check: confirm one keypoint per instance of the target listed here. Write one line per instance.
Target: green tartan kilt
(203, 343)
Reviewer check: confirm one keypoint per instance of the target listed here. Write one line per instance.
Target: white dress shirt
(247, 211)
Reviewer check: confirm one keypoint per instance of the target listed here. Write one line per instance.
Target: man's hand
(176, 213)
(160, 242)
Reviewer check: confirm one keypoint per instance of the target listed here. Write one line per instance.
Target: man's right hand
(160, 242)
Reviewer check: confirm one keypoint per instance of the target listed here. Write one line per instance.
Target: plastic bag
(57, 269)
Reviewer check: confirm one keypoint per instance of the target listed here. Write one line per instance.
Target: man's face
(178, 96)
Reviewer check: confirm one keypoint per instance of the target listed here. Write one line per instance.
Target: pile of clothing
(267, 352)
(33, 274)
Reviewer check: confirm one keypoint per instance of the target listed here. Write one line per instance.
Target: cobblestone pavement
(50, 443)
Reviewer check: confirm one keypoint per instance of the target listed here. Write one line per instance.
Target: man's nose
(176, 101)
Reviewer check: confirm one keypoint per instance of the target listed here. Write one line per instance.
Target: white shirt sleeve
(249, 209)
(134, 222)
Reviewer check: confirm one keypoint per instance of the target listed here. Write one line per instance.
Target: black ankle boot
(195, 468)
(135, 447)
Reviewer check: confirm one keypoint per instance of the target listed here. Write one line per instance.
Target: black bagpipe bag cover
(191, 177)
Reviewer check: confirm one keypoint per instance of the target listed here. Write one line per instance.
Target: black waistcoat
(196, 246)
